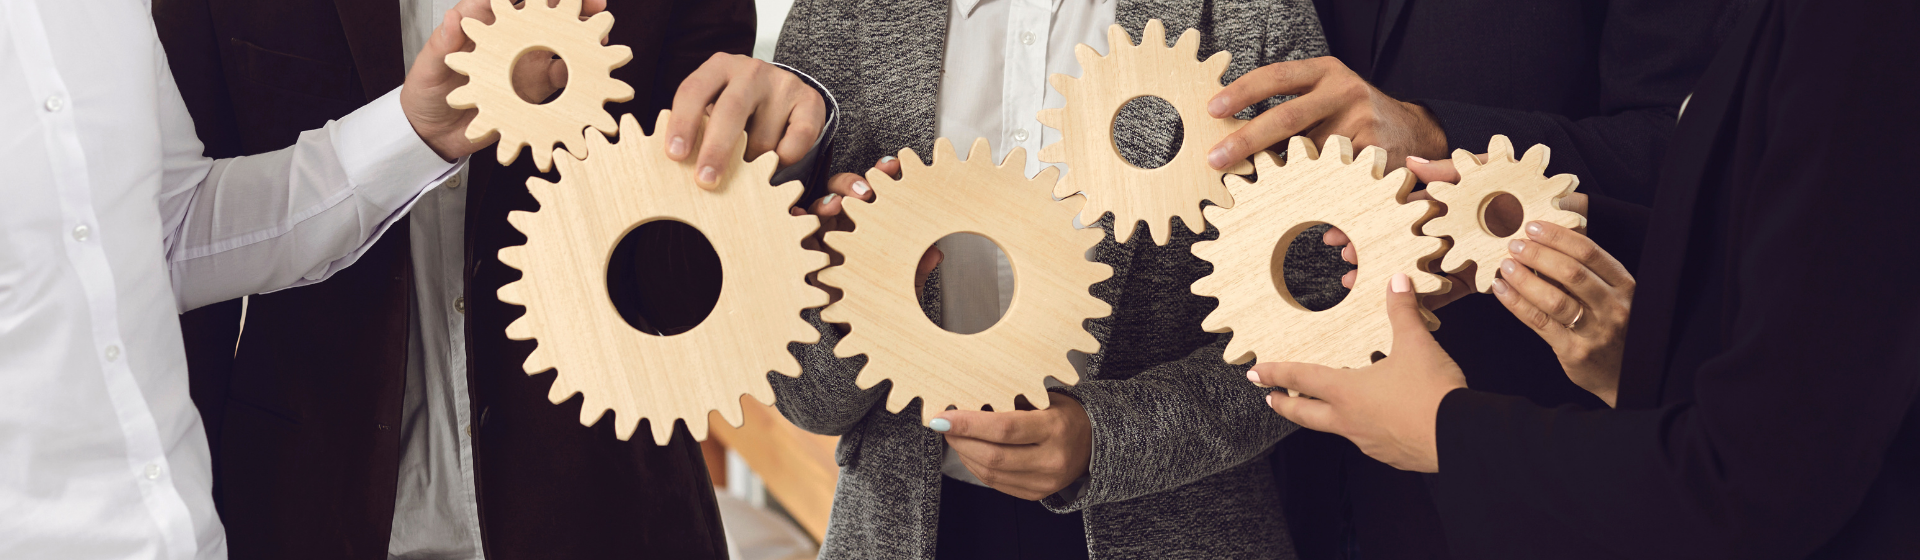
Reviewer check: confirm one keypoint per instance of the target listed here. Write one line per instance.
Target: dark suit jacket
(1773, 358)
(303, 416)
(1600, 82)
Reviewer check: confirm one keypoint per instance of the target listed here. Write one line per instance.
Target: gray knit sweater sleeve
(824, 399)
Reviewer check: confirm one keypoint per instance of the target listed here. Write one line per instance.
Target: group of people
(1721, 365)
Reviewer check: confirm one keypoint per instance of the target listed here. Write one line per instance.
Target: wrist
(1430, 141)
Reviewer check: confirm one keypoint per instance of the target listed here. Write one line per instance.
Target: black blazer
(1600, 82)
(1773, 359)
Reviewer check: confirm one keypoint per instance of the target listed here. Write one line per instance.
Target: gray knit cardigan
(1179, 436)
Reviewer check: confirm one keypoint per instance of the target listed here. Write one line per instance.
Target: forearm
(1170, 425)
(1615, 155)
(294, 216)
(824, 399)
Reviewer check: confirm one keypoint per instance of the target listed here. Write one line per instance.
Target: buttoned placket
(1024, 83)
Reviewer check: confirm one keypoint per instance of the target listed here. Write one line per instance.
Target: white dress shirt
(1004, 50)
(113, 223)
(436, 513)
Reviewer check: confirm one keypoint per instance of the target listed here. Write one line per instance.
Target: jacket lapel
(1391, 12)
(1708, 125)
(373, 34)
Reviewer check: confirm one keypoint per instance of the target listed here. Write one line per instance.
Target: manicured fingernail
(1418, 159)
(1218, 158)
(825, 200)
(1402, 284)
(1500, 286)
(1534, 229)
(1254, 376)
(1516, 246)
(1270, 397)
(940, 425)
(860, 188)
(887, 159)
(1508, 267)
(1217, 107)
(678, 147)
(709, 175)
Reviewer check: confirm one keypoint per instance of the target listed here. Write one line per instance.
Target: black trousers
(977, 522)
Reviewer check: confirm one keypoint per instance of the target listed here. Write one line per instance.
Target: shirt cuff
(385, 160)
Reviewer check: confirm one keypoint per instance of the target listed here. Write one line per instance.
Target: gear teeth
(1524, 179)
(1155, 34)
(515, 123)
(1188, 46)
(1216, 65)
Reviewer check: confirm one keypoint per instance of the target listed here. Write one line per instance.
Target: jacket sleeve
(1650, 56)
(1792, 412)
(824, 399)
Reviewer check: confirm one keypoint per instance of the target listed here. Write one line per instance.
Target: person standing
(385, 414)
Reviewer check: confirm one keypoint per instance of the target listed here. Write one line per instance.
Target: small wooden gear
(1095, 167)
(1051, 300)
(684, 376)
(1465, 221)
(489, 69)
(1315, 187)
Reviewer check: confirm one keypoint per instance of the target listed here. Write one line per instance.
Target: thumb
(1403, 311)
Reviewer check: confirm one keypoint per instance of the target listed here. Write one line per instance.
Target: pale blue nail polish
(940, 425)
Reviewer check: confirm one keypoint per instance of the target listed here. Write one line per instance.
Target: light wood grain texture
(489, 69)
(1095, 167)
(797, 466)
(1465, 222)
(1051, 279)
(1315, 187)
(635, 374)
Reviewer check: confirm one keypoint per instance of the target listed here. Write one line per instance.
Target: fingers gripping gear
(1051, 300)
(1467, 202)
(635, 374)
(1097, 170)
(489, 69)
(1315, 187)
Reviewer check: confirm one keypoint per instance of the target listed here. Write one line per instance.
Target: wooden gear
(1465, 221)
(1051, 300)
(635, 374)
(489, 69)
(1315, 187)
(1095, 167)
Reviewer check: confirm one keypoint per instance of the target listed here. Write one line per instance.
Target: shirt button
(113, 352)
(54, 103)
(1020, 135)
(460, 304)
(153, 471)
(81, 232)
(453, 182)
(1026, 37)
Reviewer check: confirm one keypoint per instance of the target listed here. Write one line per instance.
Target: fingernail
(1534, 229)
(1418, 159)
(940, 425)
(678, 147)
(887, 159)
(1402, 284)
(1500, 286)
(825, 200)
(709, 175)
(1254, 376)
(1218, 159)
(1516, 246)
(1270, 398)
(1508, 268)
(1217, 107)
(860, 188)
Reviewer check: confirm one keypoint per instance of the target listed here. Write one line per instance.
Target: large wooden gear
(1480, 184)
(1315, 187)
(635, 374)
(1050, 304)
(489, 69)
(1096, 169)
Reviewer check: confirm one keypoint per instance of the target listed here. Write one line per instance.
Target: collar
(966, 6)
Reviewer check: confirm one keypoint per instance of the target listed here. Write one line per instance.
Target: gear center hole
(1501, 214)
(664, 277)
(539, 76)
(1307, 270)
(1139, 140)
(975, 283)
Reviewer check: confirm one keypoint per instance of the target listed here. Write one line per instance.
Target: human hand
(423, 97)
(779, 111)
(1333, 100)
(1028, 454)
(829, 208)
(1503, 214)
(1574, 295)
(1389, 408)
